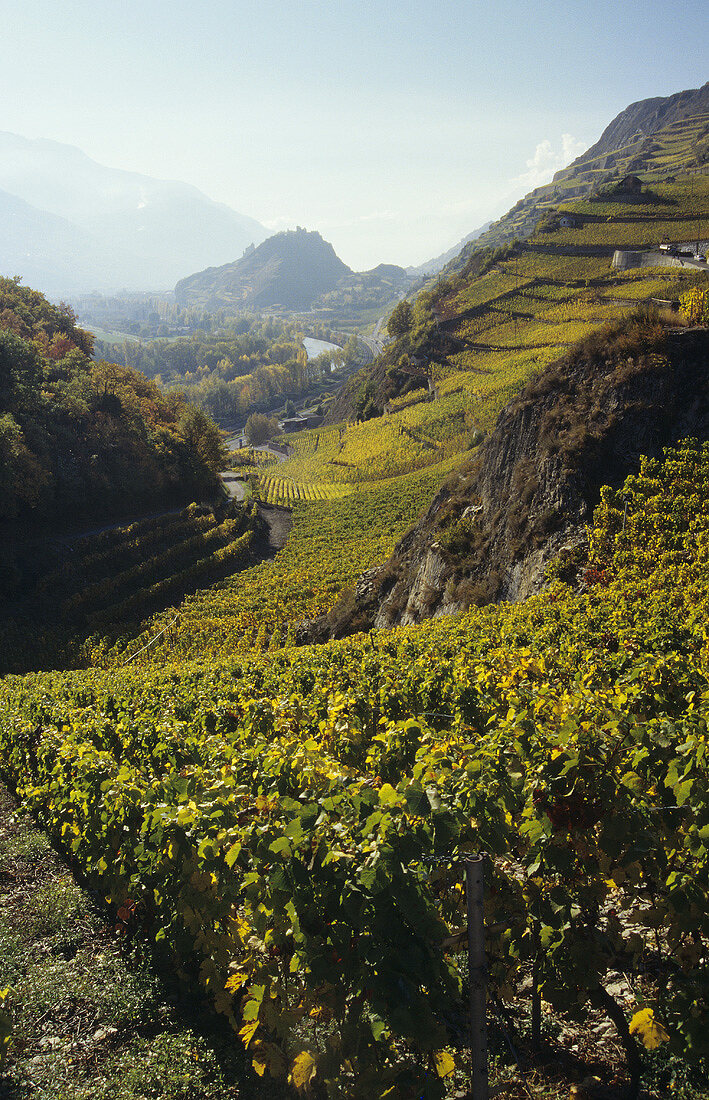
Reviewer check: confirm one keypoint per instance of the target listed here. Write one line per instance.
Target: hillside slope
(80, 440)
(630, 389)
(307, 813)
(289, 269)
(653, 138)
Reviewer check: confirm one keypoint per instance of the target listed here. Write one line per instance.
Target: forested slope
(80, 439)
(84, 444)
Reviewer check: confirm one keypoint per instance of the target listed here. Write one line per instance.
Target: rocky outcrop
(290, 269)
(646, 117)
(527, 496)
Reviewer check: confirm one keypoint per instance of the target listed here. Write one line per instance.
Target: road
(373, 345)
(235, 446)
(233, 484)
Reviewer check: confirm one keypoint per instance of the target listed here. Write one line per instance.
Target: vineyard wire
(148, 644)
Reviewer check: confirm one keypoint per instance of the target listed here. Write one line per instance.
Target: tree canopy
(84, 438)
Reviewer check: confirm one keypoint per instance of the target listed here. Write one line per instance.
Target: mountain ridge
(123, 229)
(640, 139)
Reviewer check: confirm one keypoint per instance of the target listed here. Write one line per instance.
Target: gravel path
(279, 520)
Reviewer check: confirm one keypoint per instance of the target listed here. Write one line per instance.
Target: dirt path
(279, 521)
(234, 486)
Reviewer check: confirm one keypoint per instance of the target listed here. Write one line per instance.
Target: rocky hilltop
(489, 534)
(644, 118)
(653, 137)
(298, 270)
(290, 269)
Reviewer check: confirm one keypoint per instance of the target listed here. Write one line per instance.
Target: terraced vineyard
(342, 480)
(330, 543)
(283, 490)
(506, 324)
(108, 580)
(287, 823)
(559, 287)
(670, 151)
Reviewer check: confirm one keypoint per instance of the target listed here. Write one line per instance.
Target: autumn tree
(401, 319)
(259, 428)
(202, 435)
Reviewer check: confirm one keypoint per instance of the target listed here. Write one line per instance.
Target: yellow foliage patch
(648, 1029)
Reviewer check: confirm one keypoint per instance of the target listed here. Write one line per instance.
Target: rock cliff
(525, 498)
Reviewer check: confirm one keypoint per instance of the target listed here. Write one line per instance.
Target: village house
(630, 185)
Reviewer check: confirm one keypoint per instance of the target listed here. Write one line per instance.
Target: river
(317, 347)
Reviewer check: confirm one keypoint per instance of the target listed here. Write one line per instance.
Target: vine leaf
(648, 1029)
(303, 1071)
(445, 1064)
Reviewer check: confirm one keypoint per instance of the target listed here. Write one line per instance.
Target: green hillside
(296, 270)
(508, 312)
(81, 439)
(65, 597)
(290, 269)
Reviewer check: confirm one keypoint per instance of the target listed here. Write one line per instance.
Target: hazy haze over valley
(69, 224)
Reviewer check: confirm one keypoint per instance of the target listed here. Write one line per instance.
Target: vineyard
(271, 821)
(280, 490)
(508, 323)
(330, 543)
(662, 162)
(107, 580)
(285, 825)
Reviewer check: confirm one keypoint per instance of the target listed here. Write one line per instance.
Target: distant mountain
(653, 139)
(291, 269)
(69, 224)
(46, 250)
(431, 267)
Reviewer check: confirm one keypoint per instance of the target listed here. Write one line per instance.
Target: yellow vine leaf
(445, 1064)
(247, 1032)
(649, 1030)
(387, 795)
(235, 981)
(303, 1071)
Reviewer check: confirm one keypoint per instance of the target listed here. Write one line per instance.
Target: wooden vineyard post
(474, 897)
(536, 995)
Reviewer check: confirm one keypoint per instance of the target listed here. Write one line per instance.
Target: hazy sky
(392, 126)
